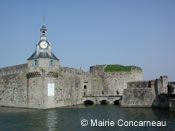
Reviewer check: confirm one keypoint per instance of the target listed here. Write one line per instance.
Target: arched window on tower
(51, 63)
(35, 63)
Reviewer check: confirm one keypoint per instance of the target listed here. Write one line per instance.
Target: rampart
(13, 86)
(112, 83)
(145, 93)
(71, 70)
(13, 69)
(21, 87)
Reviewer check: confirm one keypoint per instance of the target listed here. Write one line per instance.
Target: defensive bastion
(151, 93)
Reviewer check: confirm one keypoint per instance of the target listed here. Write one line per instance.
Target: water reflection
(68, 118)
(52, 120)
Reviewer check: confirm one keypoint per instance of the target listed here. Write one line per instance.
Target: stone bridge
(113, 99)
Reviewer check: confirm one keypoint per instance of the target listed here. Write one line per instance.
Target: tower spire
(43, 20)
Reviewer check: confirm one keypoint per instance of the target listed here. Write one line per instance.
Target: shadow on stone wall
(162, 101)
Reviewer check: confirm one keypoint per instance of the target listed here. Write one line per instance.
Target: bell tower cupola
(43, 31)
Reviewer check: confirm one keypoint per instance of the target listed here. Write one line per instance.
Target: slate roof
(42, 55)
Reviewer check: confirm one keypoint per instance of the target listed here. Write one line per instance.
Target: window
(102, 92)
(51, 89)
(85, 90)
(35, 63)
(51, 63)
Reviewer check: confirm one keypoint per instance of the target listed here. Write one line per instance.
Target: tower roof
(43, 27)
(42, 55)
(43, 48)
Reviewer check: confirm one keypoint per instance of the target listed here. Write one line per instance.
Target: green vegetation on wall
(117, 68)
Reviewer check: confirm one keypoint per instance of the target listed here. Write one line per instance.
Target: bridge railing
(104, 93)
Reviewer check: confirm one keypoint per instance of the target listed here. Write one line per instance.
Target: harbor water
(69, 118)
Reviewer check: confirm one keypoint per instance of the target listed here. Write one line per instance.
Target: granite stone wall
(69, 87)
(146, 93)
(13, 86)
(27, 86)
(112, 82)
(13, 69)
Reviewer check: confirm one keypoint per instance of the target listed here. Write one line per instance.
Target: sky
(84, 33)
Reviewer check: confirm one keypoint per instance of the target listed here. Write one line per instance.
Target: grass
(117, 68)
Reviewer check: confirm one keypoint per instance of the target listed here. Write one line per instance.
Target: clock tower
(42, 75)
(43, 56)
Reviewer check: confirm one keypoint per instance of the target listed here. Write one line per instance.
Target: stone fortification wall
(117, 81)
(69, 87)
(13, 86)
(13, 70)
(96, 88)
(28, 88)
(97, 70)
(71, 70)
(96, 80)
(139, 94)
(145, 93)
(112, 83)
(161, 85)
(21, 88)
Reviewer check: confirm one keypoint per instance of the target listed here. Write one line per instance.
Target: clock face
(43, 44)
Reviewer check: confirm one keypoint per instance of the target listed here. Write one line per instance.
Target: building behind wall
(42, 83)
